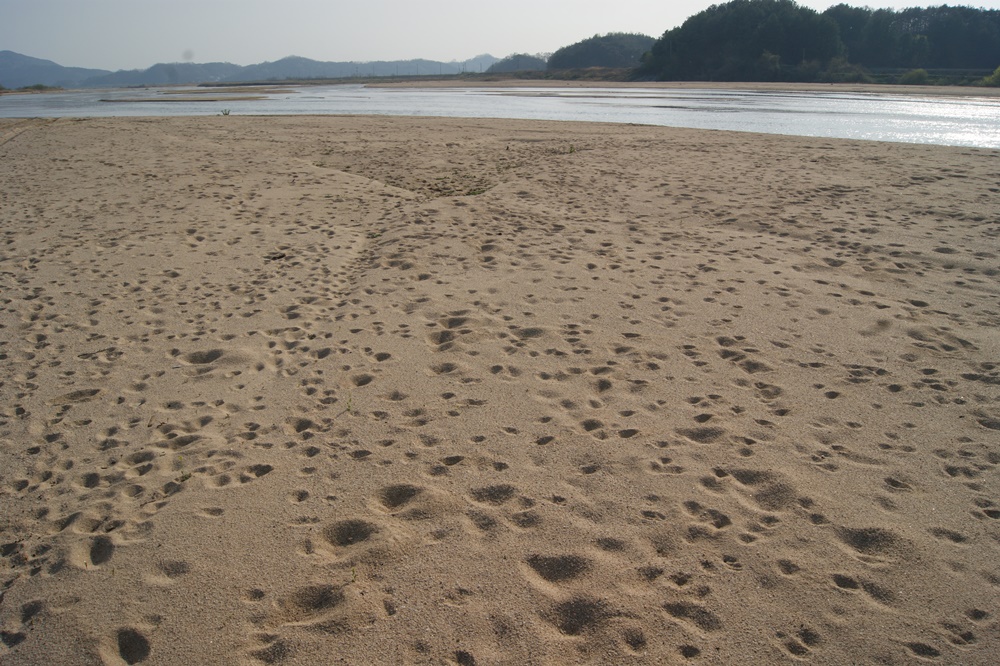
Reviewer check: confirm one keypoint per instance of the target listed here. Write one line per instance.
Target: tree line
(778, 40)
(615, 50)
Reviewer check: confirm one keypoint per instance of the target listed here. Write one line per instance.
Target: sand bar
(321, 390)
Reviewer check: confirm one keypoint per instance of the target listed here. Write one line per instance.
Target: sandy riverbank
(400, 390)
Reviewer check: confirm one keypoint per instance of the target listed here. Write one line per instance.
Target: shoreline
(876, 89)
(406, 390)
(880, 89)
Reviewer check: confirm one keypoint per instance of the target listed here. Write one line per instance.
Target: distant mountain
(295, 67)
(166, 74)
(480, 63)
(18, 71)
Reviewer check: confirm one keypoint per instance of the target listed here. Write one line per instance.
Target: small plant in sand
(225, 112)
(179, 466)
(348, 406)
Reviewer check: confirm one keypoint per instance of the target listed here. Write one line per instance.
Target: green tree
(728, 42)
(993, 80)
(615, 50)
(518, 62)
(851, 23)
(779, 40)
(915, 77)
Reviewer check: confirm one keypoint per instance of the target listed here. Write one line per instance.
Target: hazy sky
(134, 34)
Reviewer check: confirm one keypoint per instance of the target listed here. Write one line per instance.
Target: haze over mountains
(741, 40)
(17, 71)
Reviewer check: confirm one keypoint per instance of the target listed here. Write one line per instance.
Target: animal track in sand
(703, 435)
(93, 553)
(202, 357)
(580, 614)
(309, 602)
(558, 568)
(81, 395)
(495, 495)
(923, 650)
(349, 532)
(677, 263)
(802, 643)
(877, 592)
(132, 646)
(275, 652)
(766, 489)
(699, 616)
(394, 497)
(873, 541)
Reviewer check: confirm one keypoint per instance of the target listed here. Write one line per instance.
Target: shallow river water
(952, 121)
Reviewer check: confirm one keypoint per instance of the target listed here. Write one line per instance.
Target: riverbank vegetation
(779, 40)
(615, 50)
(38, 87)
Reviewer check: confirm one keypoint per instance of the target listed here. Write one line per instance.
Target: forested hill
(934, 37)
(616, 49)
(778, 40)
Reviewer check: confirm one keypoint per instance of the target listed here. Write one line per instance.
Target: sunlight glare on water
(954, 121)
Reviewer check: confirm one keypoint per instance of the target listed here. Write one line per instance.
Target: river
(950, 121)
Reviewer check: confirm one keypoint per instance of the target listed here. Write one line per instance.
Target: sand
(304, 390)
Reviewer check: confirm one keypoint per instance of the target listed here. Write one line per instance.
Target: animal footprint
(133, 646)
(255, 472)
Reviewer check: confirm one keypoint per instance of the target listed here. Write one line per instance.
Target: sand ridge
(402, 390)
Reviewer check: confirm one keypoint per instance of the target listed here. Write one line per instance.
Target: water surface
(951, 121)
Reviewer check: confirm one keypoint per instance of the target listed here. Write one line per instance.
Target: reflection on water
(966, 121)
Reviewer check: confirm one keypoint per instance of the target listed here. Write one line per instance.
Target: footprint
(923, 650)
(872, 540)
(634, 638)
(559, 568)
(716, 518)
(309, 602)
(875, 591)
(172, 569)
(705, 435)
(349, 532)
(948, 535)
(202, 357)
(393, 497)
(255, 472)
(82, 395)
(133, 647)
(788, 567)
(800, 644)
(580, 614)
(702, 618)
(276, 651)
(101, 550)
(769, 491)
(495, 495)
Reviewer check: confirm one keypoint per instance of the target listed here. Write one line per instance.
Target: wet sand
(321, 390)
